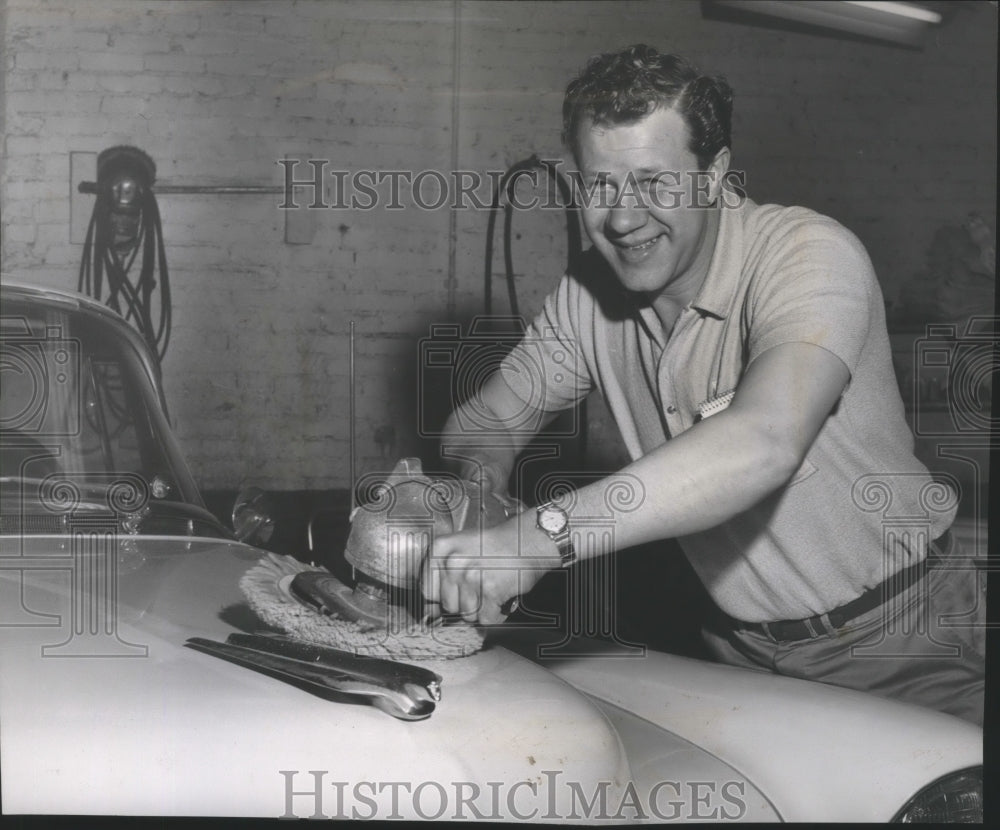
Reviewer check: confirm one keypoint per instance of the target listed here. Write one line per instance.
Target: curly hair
(622, 87)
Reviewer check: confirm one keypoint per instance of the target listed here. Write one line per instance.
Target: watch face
(552, 520)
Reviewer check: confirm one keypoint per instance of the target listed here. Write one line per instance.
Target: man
(742, 350)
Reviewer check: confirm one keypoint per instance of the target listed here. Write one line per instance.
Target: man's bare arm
(729, 462)
(478, 440)
(714, 471)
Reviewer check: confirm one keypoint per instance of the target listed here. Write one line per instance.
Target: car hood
(815, 749)
(104, 711)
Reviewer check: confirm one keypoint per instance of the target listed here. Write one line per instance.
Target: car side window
(110, 419)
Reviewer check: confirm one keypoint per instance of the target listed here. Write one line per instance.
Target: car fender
(813, 748)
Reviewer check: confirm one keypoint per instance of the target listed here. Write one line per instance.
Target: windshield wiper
(174, 518)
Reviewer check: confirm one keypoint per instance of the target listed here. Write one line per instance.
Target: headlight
(956, 798)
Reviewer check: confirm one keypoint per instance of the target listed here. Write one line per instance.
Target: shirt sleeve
(547, 370)
(816, 285)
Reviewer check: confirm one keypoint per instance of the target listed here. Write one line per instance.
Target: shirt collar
(722, 280)
(721, 284)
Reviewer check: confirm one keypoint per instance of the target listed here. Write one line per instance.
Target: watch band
(554, 523)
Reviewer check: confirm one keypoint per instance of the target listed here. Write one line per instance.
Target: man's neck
(680, 294)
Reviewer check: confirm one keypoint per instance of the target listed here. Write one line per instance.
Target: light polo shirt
(860, 507)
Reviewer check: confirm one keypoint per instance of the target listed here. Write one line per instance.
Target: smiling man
(743, 353)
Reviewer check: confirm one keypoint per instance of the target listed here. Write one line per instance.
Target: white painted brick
(24, 124)
(110, 60)
(208, 44)
(258, 64)
(173, 62)
(20, 82)
(19, 234)
(222, 89)
(56, 102)
(181, 21)
(31, 60)
(52, 80)
(57, 38)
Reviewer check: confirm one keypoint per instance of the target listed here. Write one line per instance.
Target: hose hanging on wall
(507, 185)
(126, 219)
(574, 248)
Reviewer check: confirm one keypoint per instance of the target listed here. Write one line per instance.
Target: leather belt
(817, 626)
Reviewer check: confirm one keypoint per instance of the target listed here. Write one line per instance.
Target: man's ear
(717, 170)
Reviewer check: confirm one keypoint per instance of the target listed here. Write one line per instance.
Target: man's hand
(475, 573)
(491, 478)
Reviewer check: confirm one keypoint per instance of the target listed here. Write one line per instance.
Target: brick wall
(891, 142)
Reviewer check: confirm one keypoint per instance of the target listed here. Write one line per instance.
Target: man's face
(647, 218)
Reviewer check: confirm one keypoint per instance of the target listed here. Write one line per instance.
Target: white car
(110, 564)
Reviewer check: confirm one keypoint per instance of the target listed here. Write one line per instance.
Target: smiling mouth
(634, 252)
(642, 246)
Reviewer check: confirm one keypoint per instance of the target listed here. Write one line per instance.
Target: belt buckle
(791, 631)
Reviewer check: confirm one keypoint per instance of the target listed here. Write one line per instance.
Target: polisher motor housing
(392, 532)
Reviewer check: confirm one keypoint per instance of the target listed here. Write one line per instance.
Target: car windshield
(81, 427)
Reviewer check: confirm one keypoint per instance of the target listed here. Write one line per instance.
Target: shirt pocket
(806, 469)
(714, 405)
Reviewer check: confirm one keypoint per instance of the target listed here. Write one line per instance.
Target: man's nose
(626, 215)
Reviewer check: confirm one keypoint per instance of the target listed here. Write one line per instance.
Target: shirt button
(671, 410)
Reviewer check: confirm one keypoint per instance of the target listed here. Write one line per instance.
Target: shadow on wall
(944, 330)
(452, 360)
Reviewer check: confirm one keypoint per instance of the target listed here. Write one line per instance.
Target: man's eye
(666, 190)
(605, 188)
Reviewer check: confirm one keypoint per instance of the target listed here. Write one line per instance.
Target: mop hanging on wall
(125, 227)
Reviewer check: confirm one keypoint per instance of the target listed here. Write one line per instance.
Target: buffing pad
(267, 588)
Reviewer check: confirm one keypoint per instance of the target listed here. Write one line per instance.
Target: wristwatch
(554, 523)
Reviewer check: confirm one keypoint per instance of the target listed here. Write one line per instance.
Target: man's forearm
(689, 484)
(729, 462)
(474, 452)
(488, 431)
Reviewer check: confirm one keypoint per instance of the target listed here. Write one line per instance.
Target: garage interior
(298, 339)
